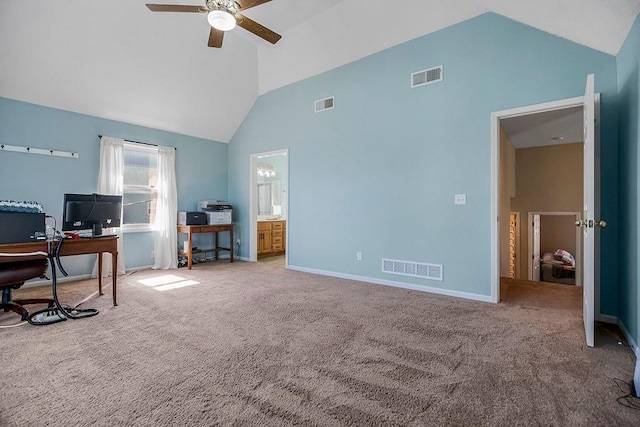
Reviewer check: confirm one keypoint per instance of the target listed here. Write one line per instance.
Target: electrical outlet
(359, 256)
(460, 199)
(153, 254)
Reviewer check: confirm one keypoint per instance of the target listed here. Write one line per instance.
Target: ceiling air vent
(324, 104)
(425, 77)
(413, 269)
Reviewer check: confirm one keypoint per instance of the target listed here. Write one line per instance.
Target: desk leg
(114, 283)
(189, 254)
(100, 274)
(215, 244)
(231, 244)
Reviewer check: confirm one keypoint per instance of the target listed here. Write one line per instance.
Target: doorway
(554, 248)
(589, 103)
(269, 206)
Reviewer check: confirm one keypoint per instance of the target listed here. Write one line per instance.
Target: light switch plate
(460, 199)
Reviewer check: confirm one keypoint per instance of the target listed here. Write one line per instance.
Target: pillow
(548, 257)
(565, 257)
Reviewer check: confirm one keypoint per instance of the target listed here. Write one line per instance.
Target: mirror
(264, 198)
(271, 191)
(269, 198)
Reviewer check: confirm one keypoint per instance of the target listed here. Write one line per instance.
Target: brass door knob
(601, 224)
(579, 223)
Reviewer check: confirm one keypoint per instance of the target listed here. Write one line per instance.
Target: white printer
(218, 212)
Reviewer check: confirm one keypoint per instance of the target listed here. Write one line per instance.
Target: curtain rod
(138, 142)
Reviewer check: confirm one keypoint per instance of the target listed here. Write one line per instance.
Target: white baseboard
(630, 340)
(412, 286)
(605, 318)
(63, 279)
(221, 256)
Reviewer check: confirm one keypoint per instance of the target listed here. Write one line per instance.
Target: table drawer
(215, 227)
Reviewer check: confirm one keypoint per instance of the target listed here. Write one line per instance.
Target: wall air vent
(425, 77)
(413, 269)
(324, 104)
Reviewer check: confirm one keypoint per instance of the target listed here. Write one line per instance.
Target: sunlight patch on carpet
(168, 282)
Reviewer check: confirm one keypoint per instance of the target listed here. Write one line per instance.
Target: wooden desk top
(69, 247)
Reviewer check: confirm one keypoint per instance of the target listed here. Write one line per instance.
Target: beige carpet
(255, 344)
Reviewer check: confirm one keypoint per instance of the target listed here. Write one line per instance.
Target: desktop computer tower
(22, 227)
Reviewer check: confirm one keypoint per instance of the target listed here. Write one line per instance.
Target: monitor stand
(96, 230)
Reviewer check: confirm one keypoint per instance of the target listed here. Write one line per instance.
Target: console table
(190, 230)
(82, 246)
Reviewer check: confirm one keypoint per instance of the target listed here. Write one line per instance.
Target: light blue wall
(378, 173)
(629, 118)
(201, 166)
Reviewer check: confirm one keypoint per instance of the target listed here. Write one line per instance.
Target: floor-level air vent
(425, 77)
(413, 269)
(324, 104)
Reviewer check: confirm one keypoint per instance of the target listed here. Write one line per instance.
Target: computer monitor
(91, 212)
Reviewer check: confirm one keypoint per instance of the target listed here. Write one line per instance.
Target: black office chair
(13, 274)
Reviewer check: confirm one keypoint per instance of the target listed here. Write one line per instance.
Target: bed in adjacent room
(558, 267)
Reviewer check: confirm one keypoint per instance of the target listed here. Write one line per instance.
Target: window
(140, 192)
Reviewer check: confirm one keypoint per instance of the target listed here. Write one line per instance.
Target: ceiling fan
(223, 15)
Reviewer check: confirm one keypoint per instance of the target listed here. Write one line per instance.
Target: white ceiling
(116, 59)
(555, 127)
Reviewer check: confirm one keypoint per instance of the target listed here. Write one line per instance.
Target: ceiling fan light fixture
(221, 20)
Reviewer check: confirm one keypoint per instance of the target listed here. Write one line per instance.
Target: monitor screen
(91, 212)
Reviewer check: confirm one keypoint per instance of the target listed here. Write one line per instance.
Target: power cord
(13, 326)
(629, 399)
(58, 313)
(55, 312)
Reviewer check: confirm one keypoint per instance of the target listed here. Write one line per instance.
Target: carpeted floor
(255, 344)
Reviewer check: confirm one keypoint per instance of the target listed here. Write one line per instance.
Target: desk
(190, 230)
(100, 245)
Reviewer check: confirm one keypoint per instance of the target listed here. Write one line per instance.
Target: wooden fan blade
(247, 4)
(215, 38)
(176, 8)
(257, 29)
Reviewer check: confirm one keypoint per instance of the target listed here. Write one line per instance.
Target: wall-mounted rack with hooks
(44, 151)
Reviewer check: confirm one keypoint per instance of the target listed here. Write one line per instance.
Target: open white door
(588, 222)
(535, 259)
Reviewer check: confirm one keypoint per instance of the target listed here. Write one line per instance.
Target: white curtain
(111, 181)
(165, 239)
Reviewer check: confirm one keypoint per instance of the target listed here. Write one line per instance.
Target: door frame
(578, 254)
(253, 203)
(496, 116)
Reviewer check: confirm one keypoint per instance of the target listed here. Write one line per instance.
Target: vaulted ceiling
(116, 59)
